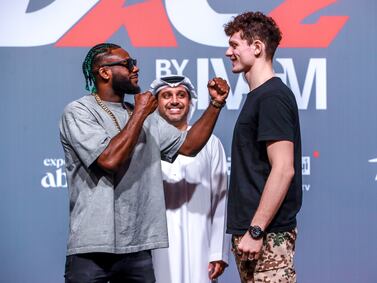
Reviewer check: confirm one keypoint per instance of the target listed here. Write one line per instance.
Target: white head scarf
(173, 81)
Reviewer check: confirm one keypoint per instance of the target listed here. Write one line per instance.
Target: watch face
(255, 232)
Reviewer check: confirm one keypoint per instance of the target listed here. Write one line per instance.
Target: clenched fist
(218, 89)
(145, 103)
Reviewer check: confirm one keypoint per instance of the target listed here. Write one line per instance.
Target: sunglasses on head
(129, 63)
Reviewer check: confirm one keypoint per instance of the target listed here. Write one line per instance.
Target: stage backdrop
(327, 57)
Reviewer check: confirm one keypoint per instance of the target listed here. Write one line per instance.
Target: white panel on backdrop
(191, 19)
(316, 69)
(42, 27)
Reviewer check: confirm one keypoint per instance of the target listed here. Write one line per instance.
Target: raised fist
(218, 89)
(145, 103)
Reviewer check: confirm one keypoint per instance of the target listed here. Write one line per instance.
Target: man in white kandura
(195, 195)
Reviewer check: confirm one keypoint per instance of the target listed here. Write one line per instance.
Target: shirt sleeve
(220, 241)
(276, 119)
(80, 129)
(171, 139)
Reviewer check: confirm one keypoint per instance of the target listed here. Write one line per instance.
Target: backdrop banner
(327, 57)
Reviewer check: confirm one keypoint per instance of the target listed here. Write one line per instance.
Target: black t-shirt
(270, 113)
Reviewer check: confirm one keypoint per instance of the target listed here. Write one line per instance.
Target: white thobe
(195, 195)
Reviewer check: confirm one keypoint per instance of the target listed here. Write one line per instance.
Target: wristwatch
(256, 232)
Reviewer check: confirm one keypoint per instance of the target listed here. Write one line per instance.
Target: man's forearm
(274, 192)
(200, 132)
(122, 145)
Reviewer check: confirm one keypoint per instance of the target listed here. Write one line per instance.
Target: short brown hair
(256, 25)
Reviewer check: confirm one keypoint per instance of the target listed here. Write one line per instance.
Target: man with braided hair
(265, 181)
(113, 155)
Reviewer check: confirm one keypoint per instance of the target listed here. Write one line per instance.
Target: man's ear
(104, 73)
(258, 47)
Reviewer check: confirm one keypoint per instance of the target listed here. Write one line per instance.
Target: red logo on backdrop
(290, 15)
(148, 25)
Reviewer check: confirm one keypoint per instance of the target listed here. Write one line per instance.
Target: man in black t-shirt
(265, 184)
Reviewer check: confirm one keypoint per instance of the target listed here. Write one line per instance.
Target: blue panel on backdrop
(327, 57)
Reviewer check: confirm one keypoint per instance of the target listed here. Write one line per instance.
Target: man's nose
(228, 52)
(174, 99)
(135, 69)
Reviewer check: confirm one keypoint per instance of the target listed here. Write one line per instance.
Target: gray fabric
(124, 213)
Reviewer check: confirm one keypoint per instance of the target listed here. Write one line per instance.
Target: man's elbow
(188, 151)
(108, 165)
(289, 173)
(286, 172)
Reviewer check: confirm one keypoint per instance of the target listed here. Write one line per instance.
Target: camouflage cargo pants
(275, 264)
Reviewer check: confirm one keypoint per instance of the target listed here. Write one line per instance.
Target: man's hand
(249, 248)
(218, 89)
(122, 145)
(216, 268)
(145, 103)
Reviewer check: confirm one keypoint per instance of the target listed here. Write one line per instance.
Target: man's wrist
(217, 104)
(256, 232)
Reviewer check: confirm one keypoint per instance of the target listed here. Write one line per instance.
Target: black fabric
(269, 113)
(110, 268)
(173, 79)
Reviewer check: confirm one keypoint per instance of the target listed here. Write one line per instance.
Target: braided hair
(90, 60)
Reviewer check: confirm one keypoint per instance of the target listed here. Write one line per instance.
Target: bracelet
(217, 104)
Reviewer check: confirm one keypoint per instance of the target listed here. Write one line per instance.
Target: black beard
(124, 85)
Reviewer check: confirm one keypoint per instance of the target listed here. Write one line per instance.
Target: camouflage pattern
(275, 264)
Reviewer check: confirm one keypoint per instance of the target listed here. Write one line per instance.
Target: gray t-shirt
(115, 214)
